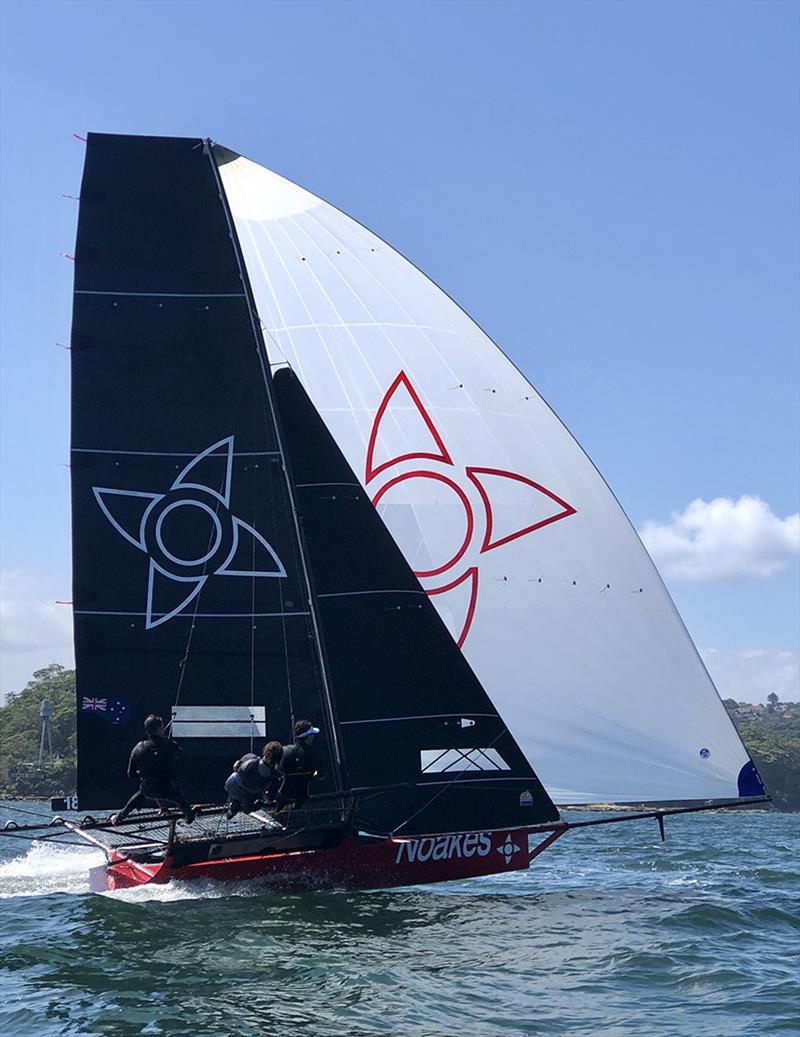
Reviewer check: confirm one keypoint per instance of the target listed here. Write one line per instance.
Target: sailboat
(305, 484)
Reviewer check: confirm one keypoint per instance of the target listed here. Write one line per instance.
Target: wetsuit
(153, 762)
(299, 764)
(254, 780)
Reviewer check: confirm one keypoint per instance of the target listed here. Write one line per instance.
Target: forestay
(510, 529)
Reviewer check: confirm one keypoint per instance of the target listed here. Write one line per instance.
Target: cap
(309, 731)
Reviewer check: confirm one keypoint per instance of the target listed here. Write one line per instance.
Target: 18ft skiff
(306, 485)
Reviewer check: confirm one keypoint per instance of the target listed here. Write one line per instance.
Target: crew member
(153, 761)
(300, 764)
(255, 780)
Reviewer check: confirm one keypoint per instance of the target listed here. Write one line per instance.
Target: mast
(258, 339)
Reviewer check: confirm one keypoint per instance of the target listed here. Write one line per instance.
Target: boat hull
(354, 863)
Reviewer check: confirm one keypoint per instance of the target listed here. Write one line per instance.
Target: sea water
(611, 932)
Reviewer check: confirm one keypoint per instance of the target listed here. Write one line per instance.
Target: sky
(609, 189)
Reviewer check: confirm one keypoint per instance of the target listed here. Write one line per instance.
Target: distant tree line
(772, 740)
(774, 743)
(21, 776)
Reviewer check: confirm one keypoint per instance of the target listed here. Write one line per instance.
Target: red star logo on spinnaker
(406, 446)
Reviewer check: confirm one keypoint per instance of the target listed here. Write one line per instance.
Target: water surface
(611, 932)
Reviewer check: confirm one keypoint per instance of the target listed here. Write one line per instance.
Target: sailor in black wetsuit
(153, 762)
(254, 780)
(300, 764)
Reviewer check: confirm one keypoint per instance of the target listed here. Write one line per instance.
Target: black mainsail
(188, 592)
(229, 572)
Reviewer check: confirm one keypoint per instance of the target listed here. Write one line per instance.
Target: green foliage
(774, 744)
(20, 728)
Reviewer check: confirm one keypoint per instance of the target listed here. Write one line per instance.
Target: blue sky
(610, 189)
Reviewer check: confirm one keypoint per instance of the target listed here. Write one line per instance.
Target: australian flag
(115, 711)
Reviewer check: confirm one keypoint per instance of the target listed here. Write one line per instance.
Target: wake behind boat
(305, 484)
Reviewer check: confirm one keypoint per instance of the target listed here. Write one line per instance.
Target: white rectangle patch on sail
(434, 761)
(219, 721)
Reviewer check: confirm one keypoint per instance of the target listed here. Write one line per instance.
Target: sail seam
(262, 325)
(371, 273)
(199, 615)
(488, 777)
(521, 779)
(308, 485)
(354, 594)
(286, 328)
(172, 453)
(167, 295)
(302, 301)
(421, 716)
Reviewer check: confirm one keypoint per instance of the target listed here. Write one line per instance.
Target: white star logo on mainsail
(170, 528)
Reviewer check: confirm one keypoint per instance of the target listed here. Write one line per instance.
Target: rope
(252, 625)
(22, 810)
(74, 841)
(185, 659)
(284, 637)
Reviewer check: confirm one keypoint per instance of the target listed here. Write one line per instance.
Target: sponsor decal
(444, 847)
(508, 849)
(526, 798)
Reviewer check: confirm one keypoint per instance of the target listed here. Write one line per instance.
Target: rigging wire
(261, 350)
(22, 810)
(286, 663)
(265, 330)
(204, 576)
(252, 618)
(66, 841)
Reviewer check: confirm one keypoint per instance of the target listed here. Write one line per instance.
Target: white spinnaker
(525, 551)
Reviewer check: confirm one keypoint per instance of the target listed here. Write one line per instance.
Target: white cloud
(34, 631)
(722, 538)
(749, 676)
